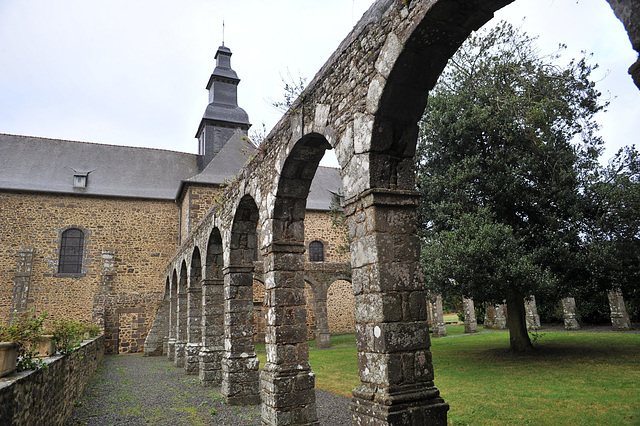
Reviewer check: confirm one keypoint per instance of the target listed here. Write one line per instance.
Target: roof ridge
(95, 143)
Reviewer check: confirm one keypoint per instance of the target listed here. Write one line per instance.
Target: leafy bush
(25, 330)
(92, 329)
(67, 335)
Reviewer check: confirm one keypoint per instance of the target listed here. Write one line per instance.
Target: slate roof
(227, 162)
(48, 165)
(325, 184)
(37, 164)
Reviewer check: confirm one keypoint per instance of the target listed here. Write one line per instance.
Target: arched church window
(71, 251)
(316, 251)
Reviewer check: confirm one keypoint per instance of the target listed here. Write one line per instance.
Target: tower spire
(223, 33)
(222, 117)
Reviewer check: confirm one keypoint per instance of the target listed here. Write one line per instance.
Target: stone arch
(212, 343)
(181, 320)
(340, 312)
(173, 316)
(286, 337)
(194, 314)
(239, 362)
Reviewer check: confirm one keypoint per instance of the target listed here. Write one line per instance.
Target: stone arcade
(365, 103)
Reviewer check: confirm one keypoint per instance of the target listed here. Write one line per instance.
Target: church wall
(318, 227)
(127, 245)
(196, 202)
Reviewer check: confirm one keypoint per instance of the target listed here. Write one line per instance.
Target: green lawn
(572, 378)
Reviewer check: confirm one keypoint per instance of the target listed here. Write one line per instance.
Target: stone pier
(470, 323)
(569, 314)
(531, 313)
(619, 316)
(210, 357)
(392, 335)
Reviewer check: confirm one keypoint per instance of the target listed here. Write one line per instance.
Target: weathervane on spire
(223, 33)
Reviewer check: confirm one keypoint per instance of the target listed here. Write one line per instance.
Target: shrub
(67, 335)
(25, 330)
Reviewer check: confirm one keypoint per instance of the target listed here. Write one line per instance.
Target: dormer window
(80, 180)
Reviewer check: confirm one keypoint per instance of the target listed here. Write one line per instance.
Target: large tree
(612, 225)
(507, 142)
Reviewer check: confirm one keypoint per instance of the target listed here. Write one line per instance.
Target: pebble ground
(138, 390)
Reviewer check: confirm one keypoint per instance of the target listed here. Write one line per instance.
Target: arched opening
(194, 314)
(286, 334)
(240, 363)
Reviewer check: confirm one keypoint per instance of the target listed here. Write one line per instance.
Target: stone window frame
(85, 253)
(313, 255)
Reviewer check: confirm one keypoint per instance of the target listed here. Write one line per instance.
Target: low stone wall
(47, 396)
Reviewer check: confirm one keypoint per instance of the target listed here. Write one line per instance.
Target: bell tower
(223, 117)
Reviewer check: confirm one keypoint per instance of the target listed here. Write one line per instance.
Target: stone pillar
(439, 329)
(173, 315)
(619, 316)
(287, 381)
(181, 330)
(569, 313)
(212, 332)
(495, 317)
(21, 281)
(470, 323)
(194, 325)
(501, 316)
(531, 313)
(392, 336)
(239, 362)
(323, 336)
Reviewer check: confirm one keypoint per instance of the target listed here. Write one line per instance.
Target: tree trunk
(516, 320)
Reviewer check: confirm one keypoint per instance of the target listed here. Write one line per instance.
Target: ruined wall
(126, 319)
(47, 396)
(127, 244)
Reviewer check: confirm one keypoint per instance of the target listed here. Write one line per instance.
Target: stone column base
(178, 359)
(240, 380)
(171, 349)
(413, 406)
(210, 371)
(191, 358)
(323, 340)
(288, 395)
(571, 324)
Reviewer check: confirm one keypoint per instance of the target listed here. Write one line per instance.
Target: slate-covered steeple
(223, 116)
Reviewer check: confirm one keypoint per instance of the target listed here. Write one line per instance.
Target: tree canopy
(507, 147)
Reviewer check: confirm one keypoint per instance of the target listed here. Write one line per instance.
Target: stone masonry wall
(126, 319)
(340, 308)
(127, 245)
(46, 397)
(196, 202)
(317, 227)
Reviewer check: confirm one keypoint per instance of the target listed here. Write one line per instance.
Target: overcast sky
(134, 72)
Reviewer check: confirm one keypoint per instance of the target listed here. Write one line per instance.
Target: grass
(572, 378)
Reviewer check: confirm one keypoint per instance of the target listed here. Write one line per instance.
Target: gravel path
(137, 390)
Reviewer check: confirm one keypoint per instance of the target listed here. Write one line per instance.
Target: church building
(86, 229)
